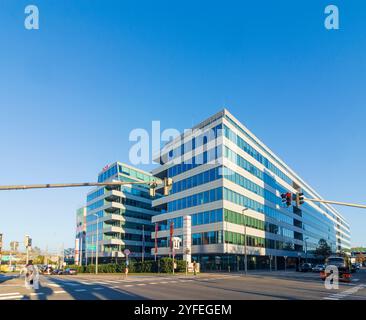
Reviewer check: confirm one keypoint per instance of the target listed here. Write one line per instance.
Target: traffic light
(27, 241)
(152, 190)
(287, 198)
(299, 198)
(168, 183)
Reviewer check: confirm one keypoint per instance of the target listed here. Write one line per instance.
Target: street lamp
(306, 250)
(96, 245)
(245, 241)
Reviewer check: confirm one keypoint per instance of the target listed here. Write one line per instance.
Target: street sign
(126, 252)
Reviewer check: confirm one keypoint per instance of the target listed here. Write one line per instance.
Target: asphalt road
(209, 286)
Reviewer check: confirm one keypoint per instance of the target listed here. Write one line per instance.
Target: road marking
(9, 294)
(141, 284)
(87, 283)
(55, 285)
(12, 297)
(98, 288)
(164, 282)
(346, 293)
(59, 291)
(112, 281)
(36, 294)
(152, 283)
(80, 290)
(129, 285)
(356, 280)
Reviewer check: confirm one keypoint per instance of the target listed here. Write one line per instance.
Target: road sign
(126, 252)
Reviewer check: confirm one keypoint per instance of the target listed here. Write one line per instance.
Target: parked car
(47, 270)
(354, 267)
(70, 271)
(343, 266)
(57, 272)
(319, 268)
(306, 267)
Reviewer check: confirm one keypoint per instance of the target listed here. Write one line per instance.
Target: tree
(323, 250)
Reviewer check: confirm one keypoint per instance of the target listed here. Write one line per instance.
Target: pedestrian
(31, 278)
(194, 267)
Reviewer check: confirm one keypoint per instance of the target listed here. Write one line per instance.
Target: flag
(156, 239)
(143, 243)
(171, 236)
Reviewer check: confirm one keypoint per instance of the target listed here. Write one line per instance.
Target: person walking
(194, 267)
(31, 276)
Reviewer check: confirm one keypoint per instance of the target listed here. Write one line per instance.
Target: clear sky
(71, 92)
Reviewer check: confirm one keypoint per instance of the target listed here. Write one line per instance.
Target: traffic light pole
(362, 206)
(70, 185)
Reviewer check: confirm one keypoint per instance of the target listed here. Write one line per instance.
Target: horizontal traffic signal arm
(73, 185)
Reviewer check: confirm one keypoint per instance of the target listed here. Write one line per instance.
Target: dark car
(70, 271)
(57, 272)
(306, 267)
(319, 268)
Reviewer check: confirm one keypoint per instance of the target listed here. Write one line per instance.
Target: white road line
(129, 285)
(80, 290)
(356, 280)
(54, 285)
(9, 294)
(36, 294)
(112, 281)
(98, 288)
(59, 291)
(152, 283)
(141, 284)
(12, 297)
(164, 282)
(328, 298)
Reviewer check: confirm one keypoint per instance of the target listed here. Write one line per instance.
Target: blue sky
(72, 91)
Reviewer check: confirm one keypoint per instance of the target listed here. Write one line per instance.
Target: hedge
(163, 265)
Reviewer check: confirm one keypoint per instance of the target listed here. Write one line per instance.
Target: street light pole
(245, 242)
(96, 245)
(306, 250)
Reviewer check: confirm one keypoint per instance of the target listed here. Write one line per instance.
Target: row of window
(241, 219)
(229, 134)
(95, 194)
(138, 204)
(253, 241)
(250, 185)
(243, 201)
(195, 200)
(210, 237)
(195, 142)
(205, 157)
(95, 205)
(196, 180)
(246, 165)
(205, 217)
(112, 171)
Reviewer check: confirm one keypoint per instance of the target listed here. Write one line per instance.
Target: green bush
(163, 265)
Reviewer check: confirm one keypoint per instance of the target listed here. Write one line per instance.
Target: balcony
(113, 207)
(112, 229)
(113, 217)
(107, 242)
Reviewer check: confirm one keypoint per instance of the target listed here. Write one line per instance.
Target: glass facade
(251, 177)
(119, 217)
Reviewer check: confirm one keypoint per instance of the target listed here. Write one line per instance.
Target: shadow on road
(79, 291)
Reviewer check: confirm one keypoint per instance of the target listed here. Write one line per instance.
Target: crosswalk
(64, 286)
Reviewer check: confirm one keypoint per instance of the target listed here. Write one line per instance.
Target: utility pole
(96, 245)
(245, 242)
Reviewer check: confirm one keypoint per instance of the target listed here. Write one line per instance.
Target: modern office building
(123, 215)
(229, 184)
(80, 238)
